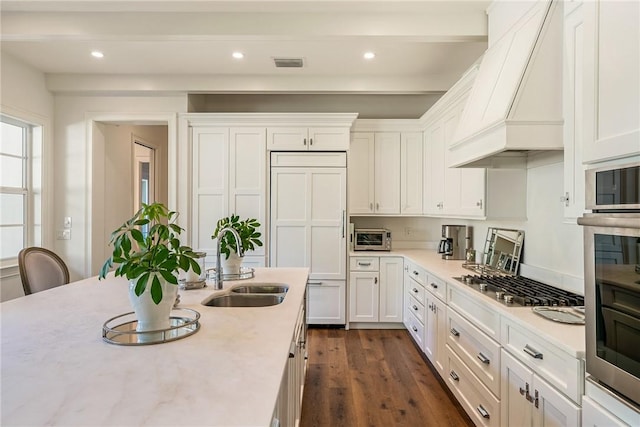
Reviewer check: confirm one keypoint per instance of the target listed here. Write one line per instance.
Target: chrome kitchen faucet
(218, 277)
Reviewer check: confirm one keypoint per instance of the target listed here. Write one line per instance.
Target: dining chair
(41, 269)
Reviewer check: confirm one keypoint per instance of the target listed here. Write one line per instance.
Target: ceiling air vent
(288, 62)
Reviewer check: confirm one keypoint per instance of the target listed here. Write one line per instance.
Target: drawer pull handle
(532, 352)
(484, 359)
(310, 141)
(364, 264)
(483, 412)
(415, 291)
(414, 328)
(415, 307)
(304, 141)
(434, 286)
(416, 273)
(314, 283)
(455, 376)
(430, 307)
(455, 332)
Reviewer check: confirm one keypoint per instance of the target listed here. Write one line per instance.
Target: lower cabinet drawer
(415, 307)
(481, 405)
(415, 328)
(479, 352)
(481, 315)
(437, 287)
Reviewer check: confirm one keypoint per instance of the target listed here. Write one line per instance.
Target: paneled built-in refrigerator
(308, 228)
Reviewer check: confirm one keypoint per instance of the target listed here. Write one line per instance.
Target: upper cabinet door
(387, 173)
(287, 138)
(328, 139)
(411, 169)
(611, 83)
(361, 173)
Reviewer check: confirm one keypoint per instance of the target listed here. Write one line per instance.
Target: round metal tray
(121, 330)
(559, 315)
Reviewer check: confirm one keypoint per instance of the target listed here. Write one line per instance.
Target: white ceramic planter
(232, 264)
(152, 316)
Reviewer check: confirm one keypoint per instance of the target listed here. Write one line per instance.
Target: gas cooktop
(517, 291)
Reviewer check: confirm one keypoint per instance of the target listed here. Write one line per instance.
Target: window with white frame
(20, 180)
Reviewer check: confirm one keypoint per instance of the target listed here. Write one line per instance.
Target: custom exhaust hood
(515, 105)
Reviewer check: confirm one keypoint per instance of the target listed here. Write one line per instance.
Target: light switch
(64, 234)
(67, 222)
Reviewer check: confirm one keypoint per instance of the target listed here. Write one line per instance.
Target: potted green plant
(147, 251)
(249, 238)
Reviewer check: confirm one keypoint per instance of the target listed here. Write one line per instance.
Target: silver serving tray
(559, 315)
(121, 330)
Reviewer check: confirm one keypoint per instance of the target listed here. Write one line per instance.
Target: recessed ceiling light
(238, 55)
(369, 55)
(97, 54)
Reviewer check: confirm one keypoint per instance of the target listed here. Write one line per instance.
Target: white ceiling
(174, 46)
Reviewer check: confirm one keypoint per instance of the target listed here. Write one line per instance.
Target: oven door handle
(609, 220)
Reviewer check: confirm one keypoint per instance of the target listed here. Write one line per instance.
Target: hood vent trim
(515, 105)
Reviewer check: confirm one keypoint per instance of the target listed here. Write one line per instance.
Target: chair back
(41, 269)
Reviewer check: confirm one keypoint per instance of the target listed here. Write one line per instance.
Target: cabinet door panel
(516, 408)
(387, 173)
(328, 139)
(209, 150)
(553, 409)
(364, 291)
(391, 275)
(287, 138)
(411, 173)
(361, 173)
(434, 166)
(326, 302)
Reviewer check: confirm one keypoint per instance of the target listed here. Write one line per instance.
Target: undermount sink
(261, 288)
(243, 300)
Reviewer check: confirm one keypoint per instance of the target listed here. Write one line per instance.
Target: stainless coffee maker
(456, 239)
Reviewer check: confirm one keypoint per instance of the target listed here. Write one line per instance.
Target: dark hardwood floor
(373, 378)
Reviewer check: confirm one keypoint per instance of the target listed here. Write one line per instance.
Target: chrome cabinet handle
(565, 199)
(532, 352)
(364, 264)
(375, 280)
(484, 359)
(483, 412)
(536, 400)
(454, 332)
(479, 204)
(377, 206)
(314, 283)
(310, 141)
(371, 206)
(415, 273)
(525, 392)
(454, 376)
(434, 286)
(415, 291)
(415, 307)
(304, 141)
(414, 329)
(344, 221)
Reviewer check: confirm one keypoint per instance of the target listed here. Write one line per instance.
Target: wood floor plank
(372, 378)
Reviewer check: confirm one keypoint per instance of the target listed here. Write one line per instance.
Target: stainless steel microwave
(372, 239)
(612, 278)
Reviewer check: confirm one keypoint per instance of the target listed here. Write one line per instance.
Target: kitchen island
(57, 370)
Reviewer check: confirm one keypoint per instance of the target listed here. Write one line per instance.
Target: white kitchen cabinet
(415, 315)
(411, 169)
(528, 400)
(228, 176)
(374, 173)
(308, 138)
(611, 84)
(433, 175)
(573, 70)
(435, 334)
(375, 289)
(308, 226)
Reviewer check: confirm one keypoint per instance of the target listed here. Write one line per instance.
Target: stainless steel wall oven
(612, 278)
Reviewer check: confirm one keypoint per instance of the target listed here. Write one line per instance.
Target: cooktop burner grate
(521, 291)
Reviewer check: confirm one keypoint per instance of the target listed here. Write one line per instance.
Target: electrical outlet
(67, 222)
(64, 234)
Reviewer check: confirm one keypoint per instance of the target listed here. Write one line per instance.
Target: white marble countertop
(570, 338)
(57, 370)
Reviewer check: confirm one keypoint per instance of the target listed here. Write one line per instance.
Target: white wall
(25, 96)
(75, 153)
